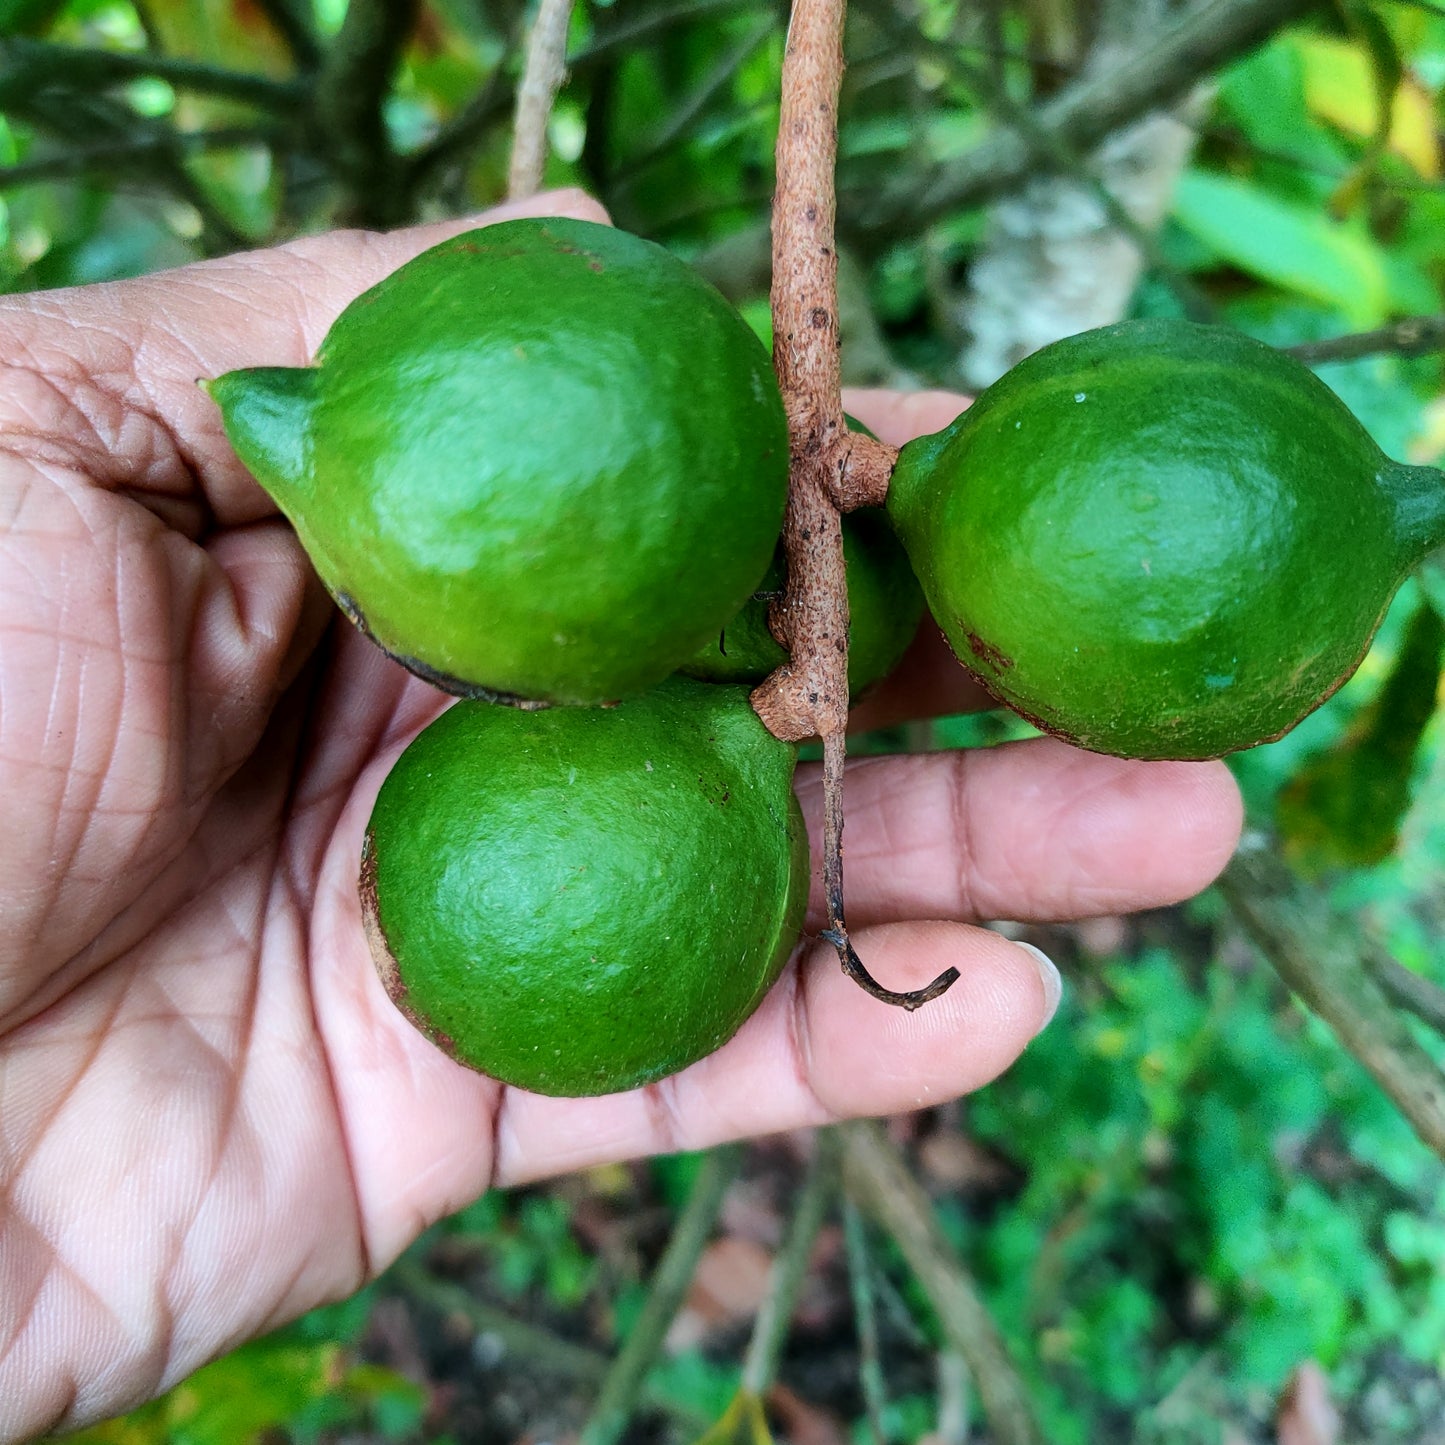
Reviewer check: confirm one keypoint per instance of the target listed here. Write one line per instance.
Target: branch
(808, 695)
(1319, 959)
(865, 1315)
(1415, 336)
(526, 1343)
(618, 1397)
(542, 77)
(452, 143)
(1087, 110)
(351, 89)
(876, 1175)
(130, 155)
(785, 1279)
(655, 22)
(1061, 154)
(32, 65)
(292, 21)
(454, 140)
(1406, 988)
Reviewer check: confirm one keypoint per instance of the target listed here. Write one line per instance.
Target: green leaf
(1344, 808)
(1297, 249)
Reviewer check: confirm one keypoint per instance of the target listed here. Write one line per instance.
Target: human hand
(211, 1117)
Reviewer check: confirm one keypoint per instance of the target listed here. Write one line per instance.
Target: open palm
(211, 1118)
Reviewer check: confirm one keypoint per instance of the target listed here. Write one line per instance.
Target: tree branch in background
(1088, 109)
(144, 156)
(293, 22)
(877, 1176)
(539, 1348)
(790, 1267)
(542, 77)
(452, 145)
(355, 77)
(1318, 955)
(1406, 988)
(27, 66)
(1415, 336)
(865, 1315)
(665, 1291)
(644, 27)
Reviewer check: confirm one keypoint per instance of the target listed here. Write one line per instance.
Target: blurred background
(1189, 1214)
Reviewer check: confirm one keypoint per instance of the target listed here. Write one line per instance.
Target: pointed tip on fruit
(266, 411)
(1419, 496)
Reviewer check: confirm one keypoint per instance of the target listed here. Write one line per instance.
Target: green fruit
(581, 900)
(544, 459)
(1161, 540)
(884, 606)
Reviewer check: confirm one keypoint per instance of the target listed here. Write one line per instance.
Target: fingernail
(1048, 976)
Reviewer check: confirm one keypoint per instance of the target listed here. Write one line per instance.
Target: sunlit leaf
(1294, 247)
(743, 1423)
(234, 32)
(1339, 88)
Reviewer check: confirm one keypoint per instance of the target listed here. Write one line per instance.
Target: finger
(116, 365)
(818, 1050)
(896, 417)
(1029, 831)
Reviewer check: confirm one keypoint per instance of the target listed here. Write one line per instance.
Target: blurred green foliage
(1212, 1190)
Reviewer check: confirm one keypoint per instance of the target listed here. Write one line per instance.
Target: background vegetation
(1188, 1190)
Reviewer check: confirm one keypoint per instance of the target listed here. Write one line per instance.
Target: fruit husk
(580, 901)
(1159, 539)
(543, 460)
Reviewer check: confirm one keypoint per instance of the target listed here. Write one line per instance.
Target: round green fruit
(544, 460)
(581, 900)
(884, 607)
(1160, 539)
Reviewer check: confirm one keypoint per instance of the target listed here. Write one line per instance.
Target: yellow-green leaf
(1340, 89)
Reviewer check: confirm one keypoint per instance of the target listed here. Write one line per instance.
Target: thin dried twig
(1407, 989)
(539, 1348)
(1414, 336)
(876, 1175)
(542, 76)
(1320, 961)
(865, 1314)
(619, 1394)
(765, 1348)
(1200, 40)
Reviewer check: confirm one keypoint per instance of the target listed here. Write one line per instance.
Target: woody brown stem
(863, 481)
(829, 468)
(808, 696)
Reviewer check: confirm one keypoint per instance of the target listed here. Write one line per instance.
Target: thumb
(150, 340)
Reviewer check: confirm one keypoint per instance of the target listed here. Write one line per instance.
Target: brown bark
(808, 696)
(828, 467)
